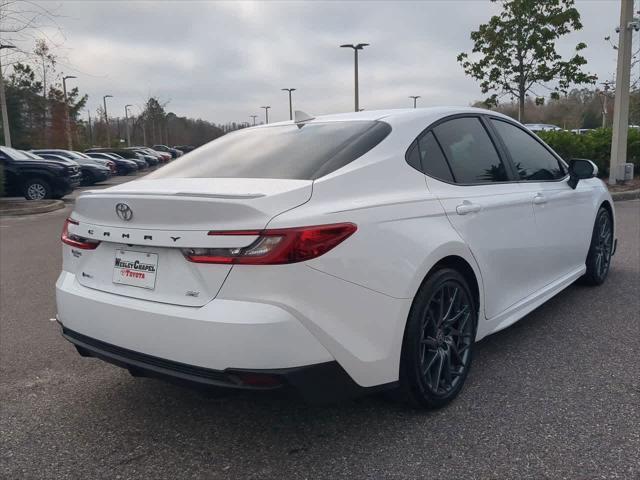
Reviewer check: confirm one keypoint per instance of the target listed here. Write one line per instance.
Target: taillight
(277, 246)
(76, 240)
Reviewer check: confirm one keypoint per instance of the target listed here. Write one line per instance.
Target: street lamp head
(67, 77)
(414, 96)
(107, 96)
(266, 107)
(358, 46)
(288, 89)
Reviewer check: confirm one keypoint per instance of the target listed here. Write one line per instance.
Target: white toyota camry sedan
(337, 255)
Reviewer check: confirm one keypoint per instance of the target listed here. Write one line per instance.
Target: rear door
(483, 203)
(564, 216)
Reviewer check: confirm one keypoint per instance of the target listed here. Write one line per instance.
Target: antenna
(300, 117)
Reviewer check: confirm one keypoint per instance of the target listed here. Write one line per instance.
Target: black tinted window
(283, 151)
(471, 154)
(413, 156)
(433, 162)
(531, 159)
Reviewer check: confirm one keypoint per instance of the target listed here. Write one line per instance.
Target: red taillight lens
(75, 240)
(277, 246)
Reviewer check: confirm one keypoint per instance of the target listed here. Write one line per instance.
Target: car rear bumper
(319, 383)
(221, 335)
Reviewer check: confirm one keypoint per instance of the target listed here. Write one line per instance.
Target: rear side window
(532, 161)
(433, 162)
(283, 151)
(470, 152)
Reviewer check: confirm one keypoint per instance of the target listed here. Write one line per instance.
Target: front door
(563, 216)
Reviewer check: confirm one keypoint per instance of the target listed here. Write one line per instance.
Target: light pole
(3, 100)
(266, 114)
(254, 119)
(106, 118)
(126, 119)
(90, 131)
(415, 97)
(66, 110)
(290, 104)
(356, 47)
(623, 87)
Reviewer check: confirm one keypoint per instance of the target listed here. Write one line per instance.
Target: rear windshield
(282, 151)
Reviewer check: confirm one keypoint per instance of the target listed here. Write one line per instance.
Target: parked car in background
(37, 178)
(123, 166)
(79, 157)
(581, 131)
(300, 264)
(92, 172)
(541, 127)
(103, 161)
(163, 148)
(124, 153)
(152, 158)
(164, 157)
(185, 148)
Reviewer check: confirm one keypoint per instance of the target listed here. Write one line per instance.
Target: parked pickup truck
(35, 178)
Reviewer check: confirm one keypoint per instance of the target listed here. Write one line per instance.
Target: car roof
(393, 115)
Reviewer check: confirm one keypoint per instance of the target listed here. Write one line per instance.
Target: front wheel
(37, 189)
(599, 256)
(438, 341)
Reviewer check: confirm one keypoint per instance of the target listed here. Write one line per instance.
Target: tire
(37, 189)
(88, 178)
(599, 256)
(436, 354)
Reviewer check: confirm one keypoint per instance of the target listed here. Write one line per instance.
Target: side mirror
(581, 169)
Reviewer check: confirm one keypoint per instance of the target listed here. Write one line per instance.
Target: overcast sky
(221, 61)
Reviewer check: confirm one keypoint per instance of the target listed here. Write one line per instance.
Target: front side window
(283, 151)
(470, 152)
(532, 161)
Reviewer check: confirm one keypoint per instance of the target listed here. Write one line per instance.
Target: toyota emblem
(124, 211)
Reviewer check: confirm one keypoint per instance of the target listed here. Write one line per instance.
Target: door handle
(539, 199)
(467, 207)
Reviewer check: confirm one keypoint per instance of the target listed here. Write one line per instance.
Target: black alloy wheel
(600, 251)
(439, 339)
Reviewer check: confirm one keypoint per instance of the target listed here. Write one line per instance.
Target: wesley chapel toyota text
(339, 254)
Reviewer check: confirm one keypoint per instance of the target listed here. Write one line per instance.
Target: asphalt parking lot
(555, 396)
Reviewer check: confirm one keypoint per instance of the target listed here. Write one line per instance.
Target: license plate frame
(135, 269)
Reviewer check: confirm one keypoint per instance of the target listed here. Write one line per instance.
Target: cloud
(222, 60)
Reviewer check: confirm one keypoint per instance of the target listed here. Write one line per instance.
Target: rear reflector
(76, 240)
(277, 246)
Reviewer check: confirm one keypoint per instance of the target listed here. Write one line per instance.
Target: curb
(41, 206)
(628, 195)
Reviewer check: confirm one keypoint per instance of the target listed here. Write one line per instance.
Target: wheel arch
(607, 205)
(463, 267)
(459, 258)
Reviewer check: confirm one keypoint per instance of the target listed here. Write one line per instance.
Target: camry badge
(124, 211)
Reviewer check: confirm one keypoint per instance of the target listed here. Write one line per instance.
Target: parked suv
(37, 178)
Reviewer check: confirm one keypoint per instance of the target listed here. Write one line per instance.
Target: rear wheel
(599, 256)
(36, 189)
(438, 341)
